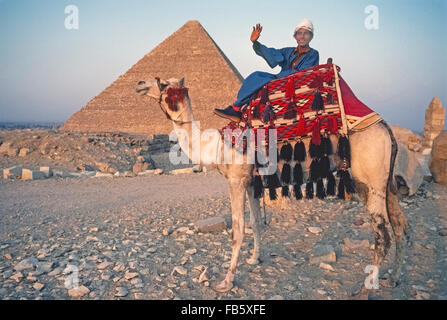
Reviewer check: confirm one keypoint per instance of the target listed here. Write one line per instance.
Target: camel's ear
(182, 82)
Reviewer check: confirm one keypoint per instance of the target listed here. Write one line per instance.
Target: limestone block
(32, 174)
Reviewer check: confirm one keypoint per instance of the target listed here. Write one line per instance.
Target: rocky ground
(81, 152)
(134, 238)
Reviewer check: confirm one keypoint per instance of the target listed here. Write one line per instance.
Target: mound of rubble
(35, 153)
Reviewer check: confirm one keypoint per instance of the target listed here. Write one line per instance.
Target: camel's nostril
(141, 83)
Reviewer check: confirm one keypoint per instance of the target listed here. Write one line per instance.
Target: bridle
(174, 96)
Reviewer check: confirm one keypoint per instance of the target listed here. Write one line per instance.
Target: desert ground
(134, 238)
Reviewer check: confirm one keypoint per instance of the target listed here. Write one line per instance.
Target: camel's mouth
(142, 91)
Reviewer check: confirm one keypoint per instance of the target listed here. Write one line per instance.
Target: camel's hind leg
(401, 231)
(371, 167)
(398, 221)
(255, 219)
(375, 168)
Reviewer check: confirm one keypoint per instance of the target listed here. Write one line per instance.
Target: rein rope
(174, 96)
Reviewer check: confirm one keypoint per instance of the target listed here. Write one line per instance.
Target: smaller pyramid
(190, 52)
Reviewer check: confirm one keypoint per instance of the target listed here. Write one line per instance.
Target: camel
(372, 171)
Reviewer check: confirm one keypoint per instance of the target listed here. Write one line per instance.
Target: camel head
(171, 95)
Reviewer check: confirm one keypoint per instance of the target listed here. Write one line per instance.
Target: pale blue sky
(47, 72)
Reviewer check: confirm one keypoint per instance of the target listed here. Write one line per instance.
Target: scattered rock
(191, 251)
(103, 265)
(44, 267)
(78, 292)
(12, 172)
(315, 230)
(438, 158)
(24, 152)
(197, 168)
(322, 253)
(38, 286)
(121, 292)
(182, 171)
(203, 276)
(130, 275)
(350, 244)
(214, 224)
(276, 297)
(179, 270)
(17, 276)
(47, 171)
(32, 174)
(326, 266)
(28, 263)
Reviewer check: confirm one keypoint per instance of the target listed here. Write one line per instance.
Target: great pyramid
(189, 52)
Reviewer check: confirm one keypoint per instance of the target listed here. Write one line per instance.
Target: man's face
(303, 37)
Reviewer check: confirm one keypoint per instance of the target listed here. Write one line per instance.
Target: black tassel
(349, 183)
(285, 174)
(326, 146)
(314, 150)
(290, 111)
(318, 103)
(346, 184)
(297, 191)
(309, 190)
(320, 189)
(298, 174)
(273, 183)
(330, 187)
(314, 171)
(286, 152)
(258, 187)
(299, 152)
(285, 191)
(343, 148)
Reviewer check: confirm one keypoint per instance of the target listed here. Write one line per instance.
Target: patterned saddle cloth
(316, 99)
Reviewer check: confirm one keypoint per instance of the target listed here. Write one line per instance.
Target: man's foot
(229, 113)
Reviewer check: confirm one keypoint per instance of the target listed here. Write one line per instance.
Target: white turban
(305, 24)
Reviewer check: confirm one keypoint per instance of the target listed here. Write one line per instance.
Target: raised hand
(256, 33)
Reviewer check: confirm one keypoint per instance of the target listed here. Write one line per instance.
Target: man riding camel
(290, 59)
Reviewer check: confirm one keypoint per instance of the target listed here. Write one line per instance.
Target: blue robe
(274, 57)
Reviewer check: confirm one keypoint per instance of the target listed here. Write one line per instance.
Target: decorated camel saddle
(310, 110)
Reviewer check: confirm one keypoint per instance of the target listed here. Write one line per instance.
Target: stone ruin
(434, 121)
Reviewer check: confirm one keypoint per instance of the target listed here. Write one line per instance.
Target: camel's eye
(141, 83)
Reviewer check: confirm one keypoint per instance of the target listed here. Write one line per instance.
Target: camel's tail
(395, 214)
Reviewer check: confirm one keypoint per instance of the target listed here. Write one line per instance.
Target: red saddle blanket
(313, 100)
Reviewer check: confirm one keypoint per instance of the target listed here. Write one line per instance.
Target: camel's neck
(191, 142)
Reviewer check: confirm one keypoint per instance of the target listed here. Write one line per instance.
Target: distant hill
(30, 125)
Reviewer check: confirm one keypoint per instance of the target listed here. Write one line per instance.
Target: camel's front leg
(255, 219)
(237, 197)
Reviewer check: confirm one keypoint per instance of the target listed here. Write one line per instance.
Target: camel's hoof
(253, 261)
(223, 287)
